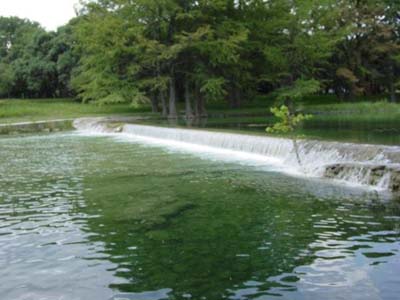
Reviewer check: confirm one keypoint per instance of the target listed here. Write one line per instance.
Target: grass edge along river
(376, 122)
(341, 118)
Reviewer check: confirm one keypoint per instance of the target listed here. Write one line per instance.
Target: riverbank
(17, 110)
(372, 122)
(36, 127)
(33, 110)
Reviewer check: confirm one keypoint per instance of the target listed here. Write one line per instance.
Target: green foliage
(213, 88)
(201, 52)
(34, 63)
(6, 79)
(298, 90)
(300, 37)
(288, 121)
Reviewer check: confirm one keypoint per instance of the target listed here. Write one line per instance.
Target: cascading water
(372, 165)
(96, 125)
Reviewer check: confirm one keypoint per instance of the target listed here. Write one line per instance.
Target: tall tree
(300, 37)
(366, 61)
(35, 63)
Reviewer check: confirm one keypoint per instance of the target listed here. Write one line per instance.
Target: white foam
(268, 153)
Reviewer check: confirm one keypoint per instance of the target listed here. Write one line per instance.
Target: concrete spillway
(376, 166)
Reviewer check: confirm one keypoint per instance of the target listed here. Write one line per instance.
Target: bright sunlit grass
(13, 110)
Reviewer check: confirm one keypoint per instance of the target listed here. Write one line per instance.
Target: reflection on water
(99, 218)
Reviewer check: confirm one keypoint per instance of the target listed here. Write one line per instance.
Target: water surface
(98, 217)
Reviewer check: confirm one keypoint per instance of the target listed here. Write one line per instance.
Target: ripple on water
(99, 218)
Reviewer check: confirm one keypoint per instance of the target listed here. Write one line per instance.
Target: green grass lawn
(323, 109)
(361, 113)
(370, 121)
(355, 107)
(15, 110)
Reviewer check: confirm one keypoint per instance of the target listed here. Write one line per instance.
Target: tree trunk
(196, 102)
(392, 88)
(231, 98)
(196, 107)
(202, 107)
(163, 104)
(188, 105)
(339, 93)
(172, 98)
(237, 97)
(154, 103)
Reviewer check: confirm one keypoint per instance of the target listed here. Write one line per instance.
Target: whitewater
(373, 166)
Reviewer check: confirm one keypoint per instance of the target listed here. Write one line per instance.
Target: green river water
(100, 217)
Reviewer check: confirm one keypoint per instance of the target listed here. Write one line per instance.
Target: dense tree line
(33, 62)
(167, 51)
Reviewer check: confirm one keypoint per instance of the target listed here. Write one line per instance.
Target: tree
(121, 59)
(288, 122)
(15, 35)
(6, 79)
(296, 56)
(166, 52)
(35, 63)
(66, 59)
(365, 61)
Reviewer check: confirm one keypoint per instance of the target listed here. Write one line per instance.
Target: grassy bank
(371, 121)
(12, 110)
(355, 112)
(323, 108)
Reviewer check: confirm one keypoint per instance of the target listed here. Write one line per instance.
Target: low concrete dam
(375, 166)
(36, 127)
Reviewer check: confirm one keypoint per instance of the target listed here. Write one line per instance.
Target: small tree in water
(288, 122)
(288, 119)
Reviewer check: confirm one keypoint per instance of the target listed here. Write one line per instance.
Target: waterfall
(377, 166)
(273, 147)
(91, 125)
